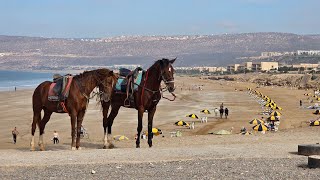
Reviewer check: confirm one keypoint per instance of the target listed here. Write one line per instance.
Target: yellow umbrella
(120, 137)
(275, 113)
(315, 123)
(260, 127)
(206, 111)
(256, 121)
(316, 112)
(194, 116)
(155, 131)
(273, 118)
(181, 123)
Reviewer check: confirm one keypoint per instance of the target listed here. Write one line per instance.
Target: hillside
(213, 50)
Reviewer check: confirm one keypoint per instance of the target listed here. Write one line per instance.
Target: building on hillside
(232, 67)
(271, 54)
(306, 66)
(245, 66)
(264, 66)
(309, 53)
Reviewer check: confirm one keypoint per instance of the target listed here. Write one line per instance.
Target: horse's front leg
(139, 128)
(73, 130)
(150, 124)
(79, 123)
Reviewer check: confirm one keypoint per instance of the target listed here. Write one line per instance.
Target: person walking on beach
(300, 102)
(221, 106)
(226, 112)
(216, 111)
(15, 132)
(221, 112)
(55, 138)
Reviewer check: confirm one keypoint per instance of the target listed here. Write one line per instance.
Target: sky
(108, 18)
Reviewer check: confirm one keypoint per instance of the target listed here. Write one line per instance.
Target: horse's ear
(173, 60)
(111, 73)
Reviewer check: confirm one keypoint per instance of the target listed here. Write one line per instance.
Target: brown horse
(76, 103)
(146, 98)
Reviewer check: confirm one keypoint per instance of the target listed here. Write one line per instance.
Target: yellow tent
(194, 116)
(182, 123)
(315, 123)
(206, 111)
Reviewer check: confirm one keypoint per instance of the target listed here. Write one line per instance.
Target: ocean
(22, 80)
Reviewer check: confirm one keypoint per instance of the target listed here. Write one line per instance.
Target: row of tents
(274, 114)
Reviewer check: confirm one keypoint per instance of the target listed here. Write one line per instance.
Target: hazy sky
(103, 18)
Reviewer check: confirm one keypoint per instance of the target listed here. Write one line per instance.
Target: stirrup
(126, 102)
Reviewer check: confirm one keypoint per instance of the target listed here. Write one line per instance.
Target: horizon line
(175, 35)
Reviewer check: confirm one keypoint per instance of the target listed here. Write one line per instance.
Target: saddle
(59, 90)
(128, 83)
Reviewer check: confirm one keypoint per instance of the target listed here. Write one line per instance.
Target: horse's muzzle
(171, 89)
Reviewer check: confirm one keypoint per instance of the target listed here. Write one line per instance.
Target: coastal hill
(37, 53)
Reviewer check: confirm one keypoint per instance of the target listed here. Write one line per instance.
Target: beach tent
(260, 127)
(256, 121)
(221, 132)
(315, 123)
(316, 112)
(194, 116)
(182, 123)
(273, 118)
(275, 113)
(206, 111)
(120, 137)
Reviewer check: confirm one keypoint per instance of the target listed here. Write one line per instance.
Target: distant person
(15, 88)
(226, 112)
(15, 133)
(55, 138)
(221, 106)
(221, 112)
(300, 102)
(216, 111)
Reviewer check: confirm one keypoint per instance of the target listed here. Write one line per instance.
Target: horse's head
(107, 80)
(167, 72)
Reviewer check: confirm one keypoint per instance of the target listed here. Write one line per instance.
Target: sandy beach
(273, 151)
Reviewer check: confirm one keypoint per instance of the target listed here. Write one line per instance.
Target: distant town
(261, 66)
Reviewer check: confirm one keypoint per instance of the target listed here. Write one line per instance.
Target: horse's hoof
(111, 146)
(138, 146)
(73, 148)
(104, 147)
(150, 145)
(79, 148)
(32, 149)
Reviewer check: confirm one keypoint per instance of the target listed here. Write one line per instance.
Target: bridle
(166, 82)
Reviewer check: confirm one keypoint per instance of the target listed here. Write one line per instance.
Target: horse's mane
(100, 72)
(162, 62)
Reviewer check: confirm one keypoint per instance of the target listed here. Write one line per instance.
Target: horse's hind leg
(79, 123)
(42, 125)
(36, 120)
(107, 123)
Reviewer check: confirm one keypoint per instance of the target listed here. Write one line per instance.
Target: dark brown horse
(146, 98)
(76, 103)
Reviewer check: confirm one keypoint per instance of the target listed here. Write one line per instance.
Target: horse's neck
(153, 79)
(88, 83)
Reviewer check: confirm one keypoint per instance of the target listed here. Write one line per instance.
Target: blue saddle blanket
(121, 84)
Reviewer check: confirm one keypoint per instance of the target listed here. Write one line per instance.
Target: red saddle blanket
(64, 91)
